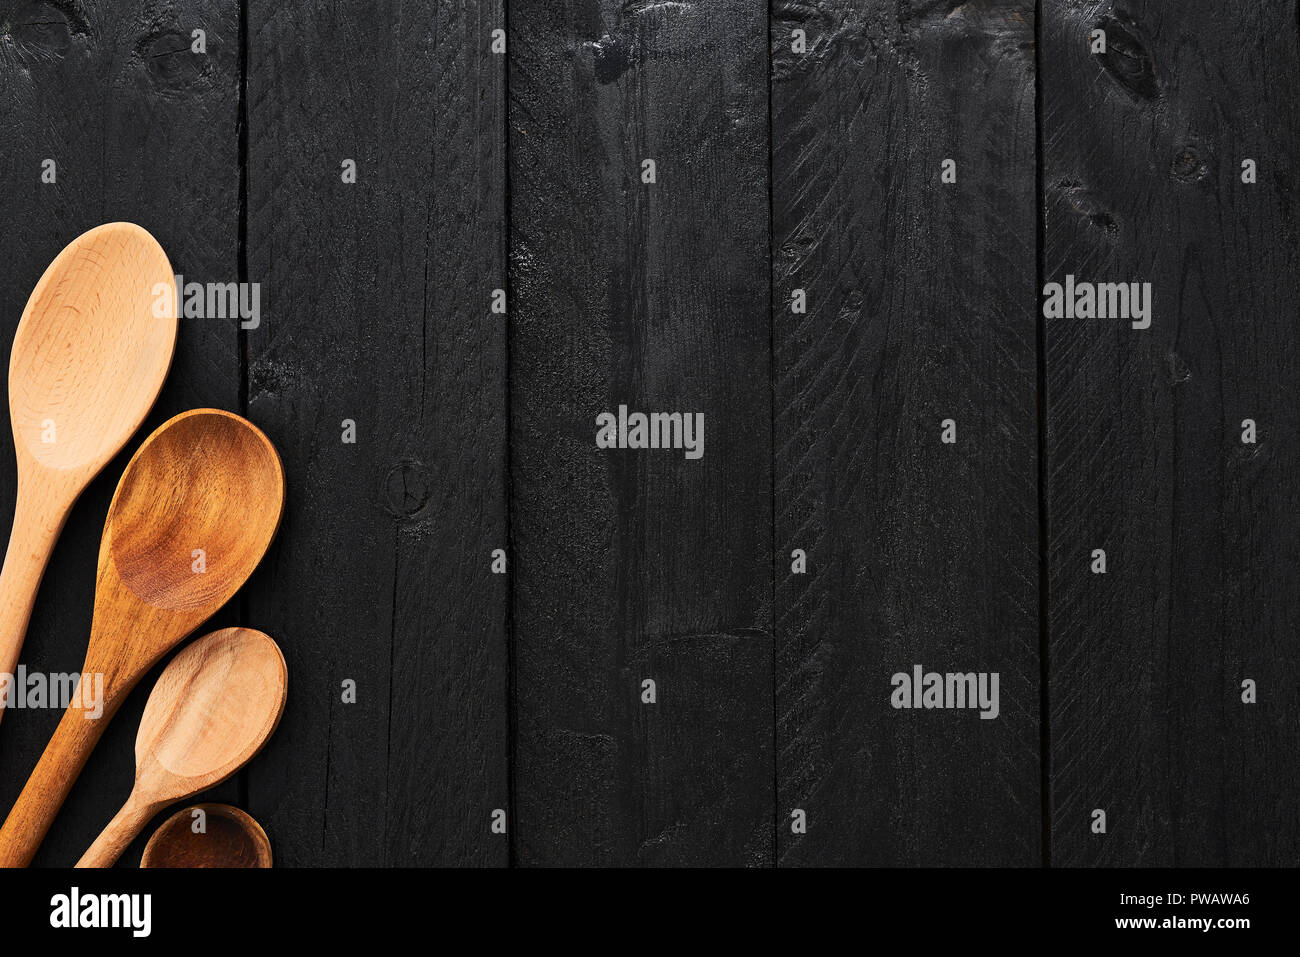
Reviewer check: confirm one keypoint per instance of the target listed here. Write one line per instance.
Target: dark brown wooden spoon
(230, 838)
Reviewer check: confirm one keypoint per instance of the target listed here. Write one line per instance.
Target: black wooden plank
(140, 129)
(379, 313)
(1142, 167)
(920, 308)
(640, 564)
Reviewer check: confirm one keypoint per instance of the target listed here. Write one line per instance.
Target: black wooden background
(518, 696)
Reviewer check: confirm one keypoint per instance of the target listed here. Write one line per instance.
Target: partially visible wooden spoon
(206, 487)
(230, 838)
(213, 708)
(89, 358)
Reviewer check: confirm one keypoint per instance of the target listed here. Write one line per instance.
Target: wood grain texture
(635, 565)
(383, 575)
(920, 308)
(1142, 174)
(141, 130)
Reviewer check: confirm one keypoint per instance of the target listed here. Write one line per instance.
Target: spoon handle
(36, 527)
(48, 787)
(121, 831)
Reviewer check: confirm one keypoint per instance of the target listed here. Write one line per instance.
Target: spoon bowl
(153, 549)
(230, 839)
(214, 707)
(93, 347)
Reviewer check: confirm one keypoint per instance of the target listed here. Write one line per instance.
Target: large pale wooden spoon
(193, 514)
(90, 355)
(213, 708)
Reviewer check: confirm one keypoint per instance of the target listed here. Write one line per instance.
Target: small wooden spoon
(213, 708)
(231, 839)
(90, 355)
(206, 487)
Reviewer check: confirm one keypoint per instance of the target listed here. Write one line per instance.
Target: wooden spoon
(90, 355)
(207, 487)
(214, 707)
(230, 839)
